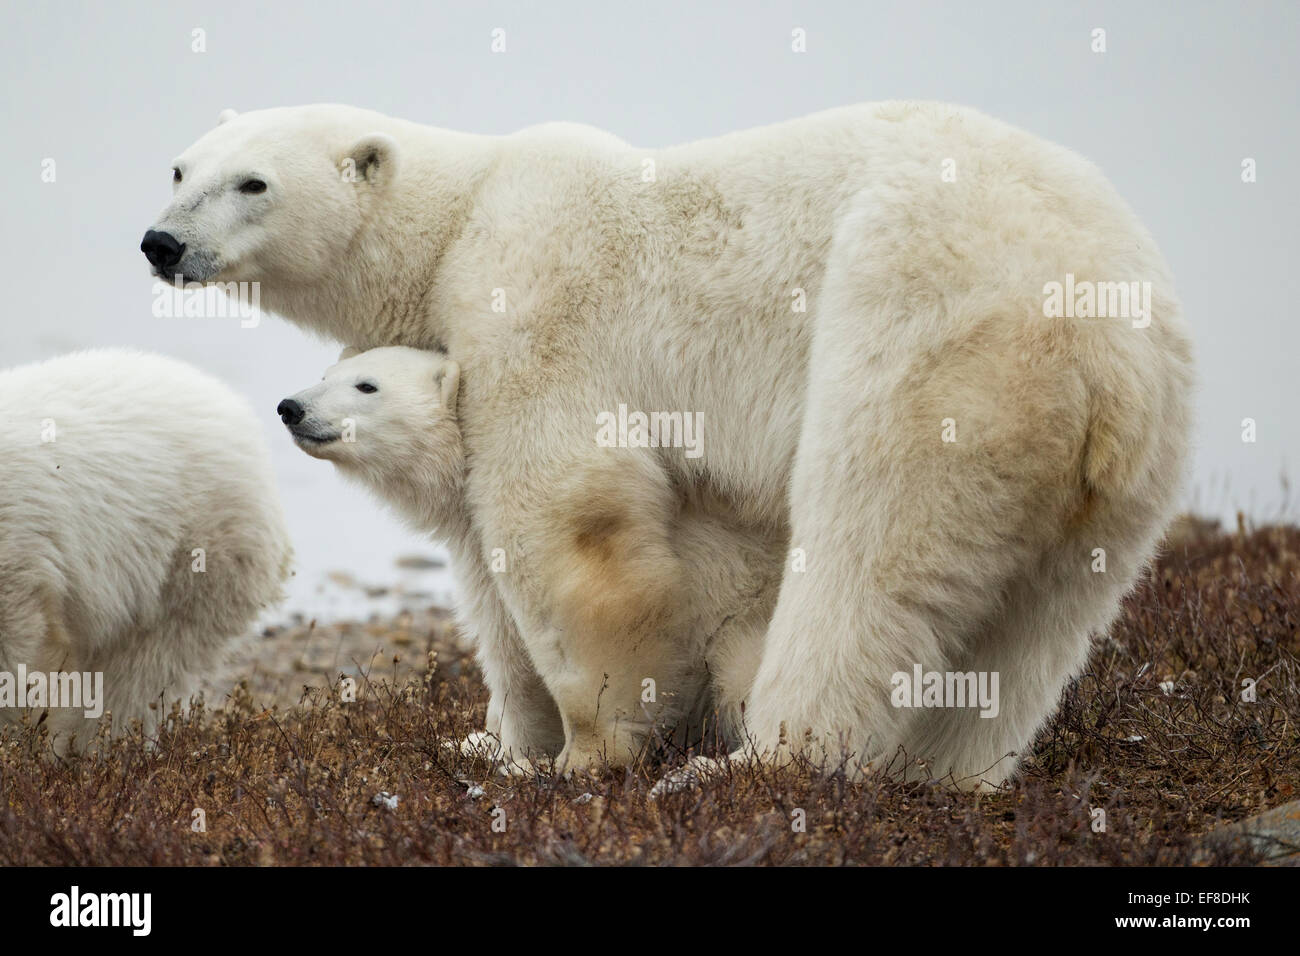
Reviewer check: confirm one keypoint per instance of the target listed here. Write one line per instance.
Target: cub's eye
(366, 387)
(252, 186)
(176, 175)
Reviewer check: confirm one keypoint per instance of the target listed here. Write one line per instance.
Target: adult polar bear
(834, 303)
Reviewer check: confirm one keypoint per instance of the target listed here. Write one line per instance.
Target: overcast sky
(1184, 92)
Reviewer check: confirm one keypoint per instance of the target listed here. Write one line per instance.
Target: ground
(1155, 735)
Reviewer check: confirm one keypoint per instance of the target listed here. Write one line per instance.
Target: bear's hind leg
(939, 459)
(610, 636)
(35, 635)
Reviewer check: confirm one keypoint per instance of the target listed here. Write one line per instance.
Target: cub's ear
(226, 116)
(371, 159)
(448, 379)
(348, 352)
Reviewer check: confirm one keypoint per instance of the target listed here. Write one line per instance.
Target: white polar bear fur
(569, 272)
(151, 459)
(403, 443)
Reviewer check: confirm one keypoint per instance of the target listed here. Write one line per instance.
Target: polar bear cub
(140, 534)
(387, 418)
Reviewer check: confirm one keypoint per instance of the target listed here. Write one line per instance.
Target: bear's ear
(226, 116)
(373, 159)
(448, 379)
(348, 352)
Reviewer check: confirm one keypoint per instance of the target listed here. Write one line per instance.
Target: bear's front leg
(598, 597)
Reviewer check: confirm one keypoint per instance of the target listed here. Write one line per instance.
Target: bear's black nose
(290, 412)
(161, 249)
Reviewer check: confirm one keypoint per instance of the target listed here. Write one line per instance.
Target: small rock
(342, 579)
(1274, 834)
(420, 562)
(385, 799)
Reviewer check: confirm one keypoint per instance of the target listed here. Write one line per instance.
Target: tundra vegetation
(1186, 718)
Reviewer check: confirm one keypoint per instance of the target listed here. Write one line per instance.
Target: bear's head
(373, 405)
(387, 418)
(271, 194)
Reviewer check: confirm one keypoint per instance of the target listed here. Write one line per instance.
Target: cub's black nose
(290, 412)
(161, 249)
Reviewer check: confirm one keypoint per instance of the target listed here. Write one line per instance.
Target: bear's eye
(366, 387)
(176, 175)
(252, 186)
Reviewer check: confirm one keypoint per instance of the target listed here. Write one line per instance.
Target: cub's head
(271, 194)
(387, 418)
(378, 411)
